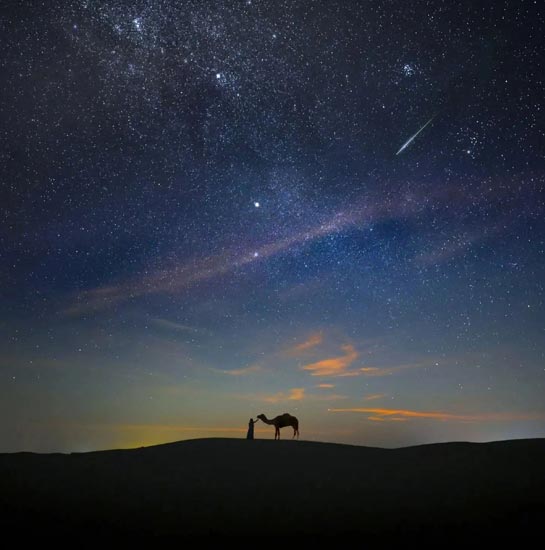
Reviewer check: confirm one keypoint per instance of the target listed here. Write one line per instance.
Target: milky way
(204, 218)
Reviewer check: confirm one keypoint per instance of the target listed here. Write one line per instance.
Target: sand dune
(231, 486)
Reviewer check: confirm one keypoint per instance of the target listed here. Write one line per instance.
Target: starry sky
(211, 210)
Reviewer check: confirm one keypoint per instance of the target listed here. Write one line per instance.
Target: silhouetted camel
(282, 421)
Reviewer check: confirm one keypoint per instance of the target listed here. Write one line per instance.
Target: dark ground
(232, 486)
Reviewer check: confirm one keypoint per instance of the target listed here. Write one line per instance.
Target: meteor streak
(408, 142)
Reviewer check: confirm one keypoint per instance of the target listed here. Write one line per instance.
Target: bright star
(256, 204)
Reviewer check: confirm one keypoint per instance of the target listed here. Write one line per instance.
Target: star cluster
(203, 217)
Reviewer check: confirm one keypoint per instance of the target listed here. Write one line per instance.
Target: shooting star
(409, 141)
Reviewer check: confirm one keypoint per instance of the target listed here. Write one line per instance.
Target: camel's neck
(267, 421)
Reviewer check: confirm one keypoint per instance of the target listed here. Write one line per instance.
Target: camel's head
(261, 416)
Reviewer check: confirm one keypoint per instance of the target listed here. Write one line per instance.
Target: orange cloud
(295, 394)
(387, 371)
(325, 386)
(373, 396)
(311, 342)
(240, 372)
(396, 414)
(335, 366)
(370, 371)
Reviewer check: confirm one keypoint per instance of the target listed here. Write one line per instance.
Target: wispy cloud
(182, 275)
(295, 394)
(373, 396)
(165, 323)
(386, 419)
(387, 371)
(240, 372)
(343, 366)
(458, 243)
(311, 342)
(334, 366)
(454, 246)
(382, 415)
(325, 386)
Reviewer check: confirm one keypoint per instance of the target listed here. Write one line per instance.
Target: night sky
(211, 210)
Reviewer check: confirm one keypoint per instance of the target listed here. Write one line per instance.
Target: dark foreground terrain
(230, 486)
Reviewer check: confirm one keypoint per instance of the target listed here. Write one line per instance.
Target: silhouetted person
(250, 434)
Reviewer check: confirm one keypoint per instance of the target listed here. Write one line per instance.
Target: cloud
(334, 366)
(325, 386)
(183, 274)
(165, 323)
(386, 419)
(371, 371)
(340, 366)
(295, 394)
(384, 415)
(454, 246)
(387, 371)
(240, 372)
(311, 342)
(373, 396)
